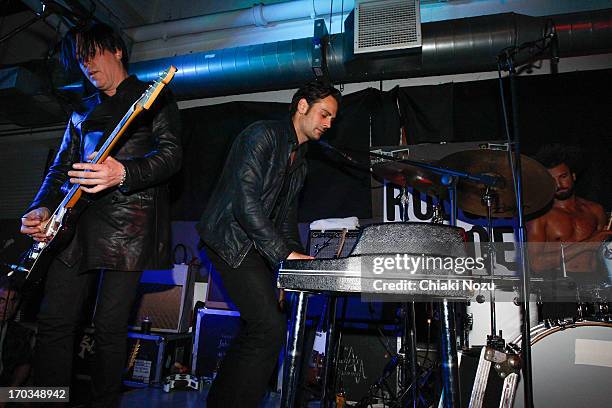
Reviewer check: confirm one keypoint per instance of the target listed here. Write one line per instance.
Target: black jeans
(61, 311)
(244, 374)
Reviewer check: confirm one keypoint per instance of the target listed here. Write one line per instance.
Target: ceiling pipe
(452, 46)
(257, 15)
(590, 30)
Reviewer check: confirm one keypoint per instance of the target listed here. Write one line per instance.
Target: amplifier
(331, 243)
(166, 298)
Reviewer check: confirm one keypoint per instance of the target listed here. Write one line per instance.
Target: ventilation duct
(386, 25)
(448, 47)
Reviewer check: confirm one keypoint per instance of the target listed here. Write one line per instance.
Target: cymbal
(403, 174)
(538, 185)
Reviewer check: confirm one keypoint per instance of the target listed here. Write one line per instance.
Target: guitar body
(61, 226)
(37, 259)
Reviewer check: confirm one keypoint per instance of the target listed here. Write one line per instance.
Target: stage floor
(155, 397)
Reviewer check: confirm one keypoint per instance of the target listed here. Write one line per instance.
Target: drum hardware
(562, 253)
(509, 391)
(493, 352)
(412, 377)
(595, 309)
(513, 197)
(581, 310)
(409, 394)
(539, 188)
(492, 171)
(507, 363)
(600, 307)
(438, 214)
(436, 180)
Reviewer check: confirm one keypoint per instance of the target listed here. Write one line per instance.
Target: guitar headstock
(147, 99)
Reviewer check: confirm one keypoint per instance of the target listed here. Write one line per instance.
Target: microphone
(345, 156)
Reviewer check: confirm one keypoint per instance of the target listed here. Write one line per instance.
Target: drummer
(573, 222)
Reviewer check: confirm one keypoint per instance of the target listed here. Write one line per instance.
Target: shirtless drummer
(575, 223)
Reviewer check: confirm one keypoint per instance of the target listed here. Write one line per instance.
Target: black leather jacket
(127, 229)
(245, 209)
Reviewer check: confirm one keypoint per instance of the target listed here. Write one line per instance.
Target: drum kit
(571, 358)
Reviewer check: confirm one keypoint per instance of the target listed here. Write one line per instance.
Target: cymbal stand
(488, 198)
(494, 342)
(448, 338)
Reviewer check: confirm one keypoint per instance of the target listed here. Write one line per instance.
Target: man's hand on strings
(94, 178)
(34, 223)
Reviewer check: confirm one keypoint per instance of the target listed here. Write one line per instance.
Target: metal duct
(589, 30)
(261, 67)
(258, 15)
(449, 47)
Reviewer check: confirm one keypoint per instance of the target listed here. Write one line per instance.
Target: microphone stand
(506, 61)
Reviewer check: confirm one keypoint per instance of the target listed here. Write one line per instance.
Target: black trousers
(244, 374)
(61, 312)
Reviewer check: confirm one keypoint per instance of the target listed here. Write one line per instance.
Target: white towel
(349, 223)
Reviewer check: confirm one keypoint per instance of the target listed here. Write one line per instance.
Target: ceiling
(36, 41)
(156, 29)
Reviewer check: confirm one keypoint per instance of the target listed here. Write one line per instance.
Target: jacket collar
(301, 149)
(293, 139)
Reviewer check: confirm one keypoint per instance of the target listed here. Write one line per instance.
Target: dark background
(573, 109)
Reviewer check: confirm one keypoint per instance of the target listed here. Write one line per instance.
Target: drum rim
(543, 330)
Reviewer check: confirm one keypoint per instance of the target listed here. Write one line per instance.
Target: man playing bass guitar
(124, 229)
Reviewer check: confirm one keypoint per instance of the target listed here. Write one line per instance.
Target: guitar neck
(75, 191)
(144, 102)
(112, 139)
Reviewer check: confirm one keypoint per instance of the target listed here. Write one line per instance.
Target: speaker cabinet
(166, 298)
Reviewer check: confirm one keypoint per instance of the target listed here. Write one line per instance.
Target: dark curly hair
(84, 42)
(554, 154)
(313, 92)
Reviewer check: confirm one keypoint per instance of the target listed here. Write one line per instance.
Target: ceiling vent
(387, 25)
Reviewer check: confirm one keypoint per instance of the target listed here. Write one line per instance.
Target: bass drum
(508, 319)
(572, 366)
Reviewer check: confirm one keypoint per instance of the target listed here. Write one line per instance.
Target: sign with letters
(421, 209)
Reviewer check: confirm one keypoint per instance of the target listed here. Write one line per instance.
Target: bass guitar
(59, 229)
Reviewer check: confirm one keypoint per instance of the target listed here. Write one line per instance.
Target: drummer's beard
(563, 195)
